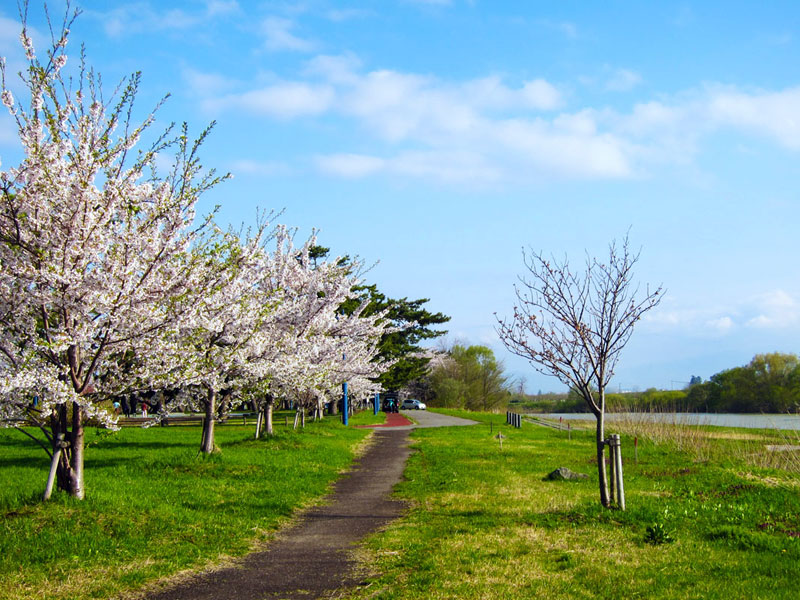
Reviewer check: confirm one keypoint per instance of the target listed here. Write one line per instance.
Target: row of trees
(110, 285)
(770, 383)
(468, 377)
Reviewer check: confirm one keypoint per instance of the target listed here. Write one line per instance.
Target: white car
(413, 405)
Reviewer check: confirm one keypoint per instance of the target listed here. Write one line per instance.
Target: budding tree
(94, 253)
(573, 325)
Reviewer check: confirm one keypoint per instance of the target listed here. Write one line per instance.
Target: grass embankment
(154, 506)
(483, 523)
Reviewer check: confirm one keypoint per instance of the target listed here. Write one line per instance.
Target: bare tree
(573, 325)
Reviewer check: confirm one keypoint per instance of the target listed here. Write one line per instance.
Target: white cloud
(721, 324)
(206, 84)
(11, 48)
(773, 114)
(283, 100)
(140, 17)
(450, 167)
(342, 69)
(221, 7)
(457, 130)
(279, 36)
(350, 165)
(521, 132)
(9, 33)
(431, 2)
(622, 80)
(541, 94)
(775, 310)
(703, 322)
(347, 14)
(260, 168)
(491, 92)
(453, 166)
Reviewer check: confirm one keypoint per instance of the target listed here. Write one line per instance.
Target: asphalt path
(314, 558)
(425, 418)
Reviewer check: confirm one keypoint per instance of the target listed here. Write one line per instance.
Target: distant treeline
(770, 383)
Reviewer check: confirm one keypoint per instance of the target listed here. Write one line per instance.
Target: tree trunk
(207, 445)
(601, 460)
(270, 405)
(69, 472)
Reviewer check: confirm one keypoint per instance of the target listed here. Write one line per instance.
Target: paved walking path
(392, 420)
(313, 558)
(426, 418)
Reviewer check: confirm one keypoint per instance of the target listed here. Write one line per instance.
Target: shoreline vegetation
(768, 384)
(706, 516)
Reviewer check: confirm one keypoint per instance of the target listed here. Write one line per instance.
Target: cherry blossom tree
(218, 344)
(313, 347)
(573, 325)
(94, 249)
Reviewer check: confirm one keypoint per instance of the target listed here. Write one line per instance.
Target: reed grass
(682, 432)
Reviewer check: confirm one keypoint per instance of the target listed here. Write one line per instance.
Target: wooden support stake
(259, 420)
(48, 490)
(618, 470)
(612, 476)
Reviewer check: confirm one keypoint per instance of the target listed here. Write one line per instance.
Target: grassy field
(483, 523)
(154, 506)
(703, 522)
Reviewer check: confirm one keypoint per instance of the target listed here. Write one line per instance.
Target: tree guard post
(620, 483)
(259, 420)
(57, 447)
(345, 407)
(617, 483)
(612, 475)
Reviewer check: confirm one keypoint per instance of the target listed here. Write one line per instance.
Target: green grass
(483, 524)
(154, 506)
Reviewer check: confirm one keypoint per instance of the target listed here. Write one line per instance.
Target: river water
(720, 420)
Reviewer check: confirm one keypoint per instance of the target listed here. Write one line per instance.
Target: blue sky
(441, 137)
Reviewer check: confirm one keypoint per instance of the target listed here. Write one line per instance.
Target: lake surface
(719, 420)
